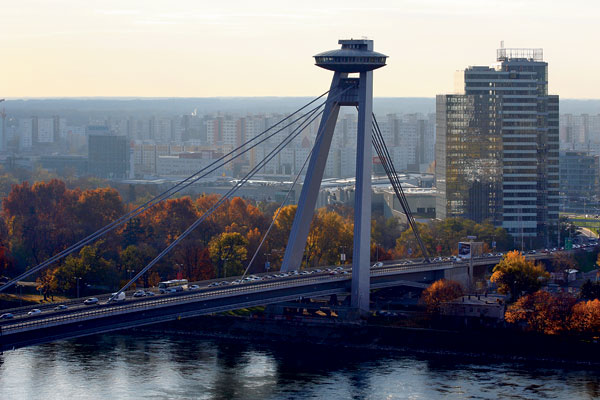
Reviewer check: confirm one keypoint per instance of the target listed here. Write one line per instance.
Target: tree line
(40, 220)
(530, 307)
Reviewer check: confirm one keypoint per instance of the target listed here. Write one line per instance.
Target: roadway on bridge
(207, 300)
(76, 309)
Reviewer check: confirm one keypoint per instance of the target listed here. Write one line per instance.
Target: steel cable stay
(283, 202)
(227, 195)
(295, 132)
(385, 158)
(166, 194)
(390, 171)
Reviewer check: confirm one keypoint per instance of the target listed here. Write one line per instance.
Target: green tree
(134, 258)
(515, 274)
(89, 265)
(228, 251)
(447, 233)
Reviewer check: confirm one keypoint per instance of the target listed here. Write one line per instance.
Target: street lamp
(267, 263)
(471, 238)
(20, 293)
(225, 267)
(77, 279)
(343, 255)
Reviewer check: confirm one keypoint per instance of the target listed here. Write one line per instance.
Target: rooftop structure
(354, 56)
(520, 54)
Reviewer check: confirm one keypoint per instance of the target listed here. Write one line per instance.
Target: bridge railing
(180, 298)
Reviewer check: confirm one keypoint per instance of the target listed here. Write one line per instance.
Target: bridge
(357, 57)
(77, 319)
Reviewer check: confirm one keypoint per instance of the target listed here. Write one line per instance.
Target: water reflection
(169, 366)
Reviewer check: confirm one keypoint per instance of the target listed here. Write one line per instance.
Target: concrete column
(362, 196)
(312, 181)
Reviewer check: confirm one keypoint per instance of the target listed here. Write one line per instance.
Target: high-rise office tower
(497, 148)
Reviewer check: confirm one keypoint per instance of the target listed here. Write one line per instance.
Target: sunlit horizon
(186, 49)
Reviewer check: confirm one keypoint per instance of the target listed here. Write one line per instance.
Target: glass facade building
(468, 158)
(508, 116)
(108, 156)
(579, 179)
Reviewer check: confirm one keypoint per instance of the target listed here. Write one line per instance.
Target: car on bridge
(119, 297)
(6, 316)
(90, 301)
(60, 307)
(35, 311)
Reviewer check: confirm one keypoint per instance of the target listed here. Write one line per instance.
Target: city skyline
(185, 50)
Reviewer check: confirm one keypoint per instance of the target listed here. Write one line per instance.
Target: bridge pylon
(355, 57)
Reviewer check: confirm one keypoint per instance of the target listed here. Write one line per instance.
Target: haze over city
(321, 200)
(264, 48)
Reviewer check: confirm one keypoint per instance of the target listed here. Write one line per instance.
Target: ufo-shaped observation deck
(354, 56)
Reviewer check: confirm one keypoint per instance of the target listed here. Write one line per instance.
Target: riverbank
(495, 343)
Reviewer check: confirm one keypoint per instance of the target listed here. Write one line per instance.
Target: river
(164, 366)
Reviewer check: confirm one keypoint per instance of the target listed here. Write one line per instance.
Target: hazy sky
(203, 48)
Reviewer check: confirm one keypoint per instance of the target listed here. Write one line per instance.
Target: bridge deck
(81, 320)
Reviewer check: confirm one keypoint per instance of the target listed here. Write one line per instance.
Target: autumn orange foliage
(440, 291)
(542, 312)
(515, 274)
(586, 317)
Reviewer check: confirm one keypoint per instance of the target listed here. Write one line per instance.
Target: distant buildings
(108, 154)
(579, 182)
(580, 133)
(497, 148)
(40, 133)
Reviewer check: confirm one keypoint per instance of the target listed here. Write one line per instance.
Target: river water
(161, 366)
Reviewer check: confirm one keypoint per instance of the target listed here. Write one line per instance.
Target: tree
(562, 261)
(328, 232)
(283, 226)
(134, 258)
(133, 232)
(542, 312)
(204, 268)
(385, 231)
(585, 317)
(228, 251)
(96, 208)
(90, 266)
(441, 291)
(514, 274)
(153, 279)
(589, 290)
(447, 233)
(47, 284)
(39, 219)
